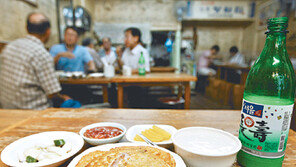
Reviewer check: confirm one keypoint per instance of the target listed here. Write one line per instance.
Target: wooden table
(155, 79)
(162, 69)
(74, 119)
(223, 69)
(90, 81)
(151, 79)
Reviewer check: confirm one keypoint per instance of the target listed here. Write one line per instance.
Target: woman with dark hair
(132, 53)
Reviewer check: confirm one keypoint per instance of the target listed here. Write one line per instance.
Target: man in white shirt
(133, 50)
(236, 58)
(107, 54)
(135, 95)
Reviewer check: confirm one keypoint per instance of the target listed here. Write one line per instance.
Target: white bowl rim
(122, 127)
(54, 161)
(212, 129)
(158, 143)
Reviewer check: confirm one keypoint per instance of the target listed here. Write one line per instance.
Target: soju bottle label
(264, 129)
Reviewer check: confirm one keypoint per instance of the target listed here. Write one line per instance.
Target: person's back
(22, 75)
(27, 77)
(203, 60)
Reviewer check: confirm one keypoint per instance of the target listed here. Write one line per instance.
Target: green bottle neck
(275, 45)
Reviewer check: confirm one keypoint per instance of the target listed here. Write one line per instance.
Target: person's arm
(120, 61)
(88, 60)
(58, 99)
(147, 61)
(91, 66)
(63, 54)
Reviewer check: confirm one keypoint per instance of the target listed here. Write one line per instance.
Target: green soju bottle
(142, 69)
(268, 102)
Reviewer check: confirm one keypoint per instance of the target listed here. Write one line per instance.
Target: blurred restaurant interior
(192, 55)
(175, 33)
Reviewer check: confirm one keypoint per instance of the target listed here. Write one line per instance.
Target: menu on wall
(221, 10)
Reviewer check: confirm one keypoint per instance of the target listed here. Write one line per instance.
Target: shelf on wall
(218, 22)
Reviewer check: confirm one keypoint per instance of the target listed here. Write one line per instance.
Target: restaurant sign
(220, 10)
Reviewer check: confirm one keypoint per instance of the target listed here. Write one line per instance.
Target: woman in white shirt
(132, 53)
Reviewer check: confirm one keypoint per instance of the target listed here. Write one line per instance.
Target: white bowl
(107, 147)
(206, 147)
(137, 129)
(10, 154)
(95, 142)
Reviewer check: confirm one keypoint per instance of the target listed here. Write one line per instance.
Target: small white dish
(137, 129)
(9, 155)
(74, 162)
(203, 146)
(103, 141)
(95, 75)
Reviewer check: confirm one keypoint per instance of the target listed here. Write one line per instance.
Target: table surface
(148, 78)
(233, 66)
(163, 69)
(154, 77)
(16, 124)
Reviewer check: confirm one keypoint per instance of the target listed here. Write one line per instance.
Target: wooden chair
(293, 119)
(238, 93)
(212, 89)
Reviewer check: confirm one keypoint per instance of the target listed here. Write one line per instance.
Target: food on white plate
(155, 134)
(46, 151)
(103, 132)
(128, 156)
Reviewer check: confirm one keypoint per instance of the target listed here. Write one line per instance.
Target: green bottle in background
(268, 102)
(142, 69)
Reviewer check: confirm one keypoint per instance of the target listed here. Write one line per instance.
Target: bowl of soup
(203, 146)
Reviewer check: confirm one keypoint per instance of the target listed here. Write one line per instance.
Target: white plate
(137, 129)
(178, 159)
(95, 75)
(10, 154)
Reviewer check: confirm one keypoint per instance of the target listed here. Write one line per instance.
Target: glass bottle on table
(268, 102)
(142, 69)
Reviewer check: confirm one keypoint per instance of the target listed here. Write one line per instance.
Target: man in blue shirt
(69, 56)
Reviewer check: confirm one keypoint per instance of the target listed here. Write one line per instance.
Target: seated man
(72, 57)
(108, 56)
(132, 53)
(203, 69)
(130, 57)
(236, 58)
(205, 59)
(88, 43)
(27, 75)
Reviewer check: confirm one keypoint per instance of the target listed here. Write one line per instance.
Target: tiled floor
(199, 101)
